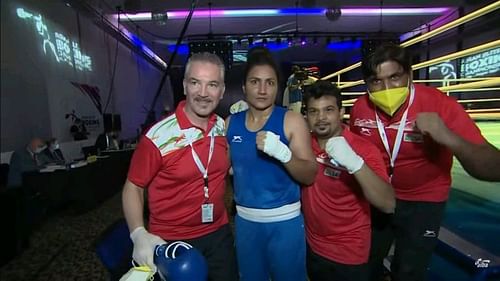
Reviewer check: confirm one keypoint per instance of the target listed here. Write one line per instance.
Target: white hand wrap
(275, 148)
(144, 246)
(238, 107)
(341, 152)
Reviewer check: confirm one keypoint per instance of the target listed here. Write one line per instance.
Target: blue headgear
(179, 261)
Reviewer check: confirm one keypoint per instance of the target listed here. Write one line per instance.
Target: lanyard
(199, 164)
(399, 135)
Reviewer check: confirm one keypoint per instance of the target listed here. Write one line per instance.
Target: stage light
(159, 17)
(333, 13)
(462, 20)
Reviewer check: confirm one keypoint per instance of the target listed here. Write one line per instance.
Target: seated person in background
(107, 141)
(78, 130)
(27, 159)
(53, 152)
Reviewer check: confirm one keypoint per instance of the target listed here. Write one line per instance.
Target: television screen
(485, 64)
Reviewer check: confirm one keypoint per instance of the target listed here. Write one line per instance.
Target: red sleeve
(459, 121)
(351, 117)
(370, 154)
(373, 159)
(145, 163)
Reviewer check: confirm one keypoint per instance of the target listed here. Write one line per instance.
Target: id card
(207, 213)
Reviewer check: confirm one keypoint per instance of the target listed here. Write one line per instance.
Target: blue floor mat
(474, 219)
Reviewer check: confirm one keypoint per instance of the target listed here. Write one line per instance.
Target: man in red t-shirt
(419, 130)
(182, 161)
(336, 206)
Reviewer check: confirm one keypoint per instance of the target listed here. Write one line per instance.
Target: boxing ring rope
(478, 13)
(476, 84)
(445, 82)
(478, 100)
(474, 15)
(484, 83)
(455, 55)
(471, 85)
(459, 54)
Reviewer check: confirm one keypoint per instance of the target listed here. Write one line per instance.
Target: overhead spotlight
(159, 17)
(333, 13)
(303, 41)
(289, 40)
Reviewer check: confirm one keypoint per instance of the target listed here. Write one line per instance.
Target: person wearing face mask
(53, 152)
(418, 129)
(28, 159)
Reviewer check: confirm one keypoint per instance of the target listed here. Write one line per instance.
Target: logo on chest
(365, 131)
(413, 137)
(333, 173)
(237, 139)
(331, 170)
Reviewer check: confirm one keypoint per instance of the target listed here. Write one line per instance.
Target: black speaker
(224, 49)
(369, 45)
(112, 122)
(117, 122)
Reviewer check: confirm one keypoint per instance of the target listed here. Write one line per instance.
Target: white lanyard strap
(199, 164)
(399, 135)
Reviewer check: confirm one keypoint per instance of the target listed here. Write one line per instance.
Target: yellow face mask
(389, 100)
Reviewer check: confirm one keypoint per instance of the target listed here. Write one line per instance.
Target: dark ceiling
(158, 35)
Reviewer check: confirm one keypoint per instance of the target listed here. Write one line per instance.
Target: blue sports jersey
(260, 181)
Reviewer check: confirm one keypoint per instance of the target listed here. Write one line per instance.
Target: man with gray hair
(28, 159)
(182, 162)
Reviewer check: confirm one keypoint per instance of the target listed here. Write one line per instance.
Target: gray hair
(208, 58)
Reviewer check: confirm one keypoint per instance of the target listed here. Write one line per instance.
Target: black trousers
(414, 228)
(322, 269)
(218, 249)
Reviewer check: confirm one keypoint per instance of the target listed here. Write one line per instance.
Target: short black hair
(322, 88)
(260, 56)
(383, 53)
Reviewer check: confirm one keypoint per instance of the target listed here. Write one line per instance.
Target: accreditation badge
(207, 213)
(413, 137)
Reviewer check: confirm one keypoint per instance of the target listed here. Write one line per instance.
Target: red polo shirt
(422, 169)
(337, 215)
(163, 163)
